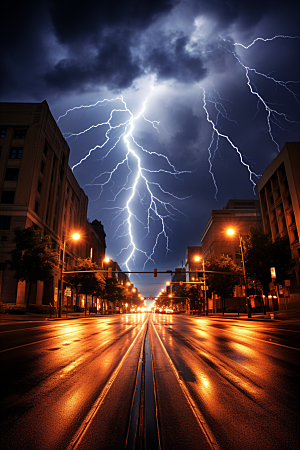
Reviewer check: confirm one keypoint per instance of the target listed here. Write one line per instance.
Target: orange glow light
(230, 232)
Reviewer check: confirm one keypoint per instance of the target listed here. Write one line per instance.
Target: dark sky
(196, 118)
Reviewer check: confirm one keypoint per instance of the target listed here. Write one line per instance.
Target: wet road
(243, 376)
(209, 383)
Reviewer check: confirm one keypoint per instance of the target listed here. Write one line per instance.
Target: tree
(32, 259)
(222, 285)
(192, 294)
(86, 283)
(262, 253)
(114, 292)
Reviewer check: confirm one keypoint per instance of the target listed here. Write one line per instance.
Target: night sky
(189, 118)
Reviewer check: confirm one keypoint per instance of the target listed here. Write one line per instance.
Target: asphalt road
(208, 383)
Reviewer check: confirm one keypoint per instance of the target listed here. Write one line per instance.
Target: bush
(12, 309)
(42, 309)
(242, 309)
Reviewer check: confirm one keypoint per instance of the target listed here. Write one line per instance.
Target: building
(38, 188)
(279, 196)
(237, 215)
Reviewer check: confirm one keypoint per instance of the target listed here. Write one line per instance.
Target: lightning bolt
(156, 201)
(157, 205)
(207, 98)
(273, 115)
(278, 36)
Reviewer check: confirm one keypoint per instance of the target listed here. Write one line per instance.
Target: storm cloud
(183, 61)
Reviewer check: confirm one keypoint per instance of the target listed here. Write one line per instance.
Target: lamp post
(75, 237)
(231, 232)
(197, 259)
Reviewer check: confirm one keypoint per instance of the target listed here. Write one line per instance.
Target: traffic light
(155, 272)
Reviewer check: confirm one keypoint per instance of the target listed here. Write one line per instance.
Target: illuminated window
(16, 153)
(3, 133)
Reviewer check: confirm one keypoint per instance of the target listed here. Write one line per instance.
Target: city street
(150, 381)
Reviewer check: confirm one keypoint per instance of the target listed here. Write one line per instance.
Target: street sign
(273, 273)
(68, 292)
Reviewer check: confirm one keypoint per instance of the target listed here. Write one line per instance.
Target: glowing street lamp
(75, 237)
(231, 232)
(197, 258)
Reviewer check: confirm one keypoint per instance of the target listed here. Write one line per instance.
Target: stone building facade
(37, 187)
(239, 215)
(279, 196)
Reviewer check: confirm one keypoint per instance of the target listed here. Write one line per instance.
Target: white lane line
(16, 330)
(266, 342)
(33, 343)
(199, 416)
(97, 404)
(261, 340)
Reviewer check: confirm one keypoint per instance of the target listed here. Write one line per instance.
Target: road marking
(262, 340)
(267, 342)
(36, 328)
(32, 343)
(200, 418)
(97, 404)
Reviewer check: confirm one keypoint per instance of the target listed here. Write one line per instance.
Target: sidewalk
(44, 317)
(268, 317)
(277, 316)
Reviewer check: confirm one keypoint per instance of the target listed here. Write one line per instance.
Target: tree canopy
(262, 253)
(86, 283)
(114, 292)
(32, 259)
(222, 285)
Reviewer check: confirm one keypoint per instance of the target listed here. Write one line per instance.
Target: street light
(75, 237)
(197, 259)
(231, 232)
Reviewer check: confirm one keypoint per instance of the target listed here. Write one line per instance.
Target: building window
(39, 187)
(11, 174)
(296, 237)
(20, 133)
(8, 197)
(289, 200)
(2, 132)
(5, 222)
(292, 217)
(16, 153)
(42, 167)
(283, 224)
(36, 207)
